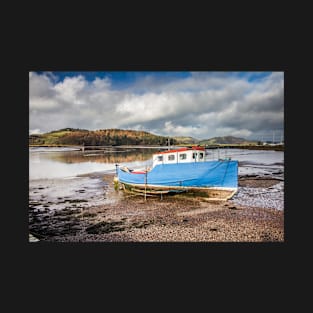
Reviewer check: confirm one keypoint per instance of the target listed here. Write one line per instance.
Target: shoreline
(176, 218)
(230, 146)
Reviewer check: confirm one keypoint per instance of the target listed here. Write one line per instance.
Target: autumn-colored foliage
(102, 137)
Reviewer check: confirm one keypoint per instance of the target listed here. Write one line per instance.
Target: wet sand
(177, 218)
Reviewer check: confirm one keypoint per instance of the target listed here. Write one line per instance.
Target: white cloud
(179, 130)
(147, 107)
(202, 105)
(34, 131)
(71, 89)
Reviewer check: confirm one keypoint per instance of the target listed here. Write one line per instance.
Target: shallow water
(253, 162)
(65, 177)
(59, 193)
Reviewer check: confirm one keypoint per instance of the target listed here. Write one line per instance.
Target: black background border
(69, 266)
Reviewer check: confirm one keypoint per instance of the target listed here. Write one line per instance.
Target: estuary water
(62, 176)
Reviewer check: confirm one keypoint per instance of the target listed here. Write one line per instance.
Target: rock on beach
(254, 214)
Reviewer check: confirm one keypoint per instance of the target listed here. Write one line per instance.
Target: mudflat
(176, 218)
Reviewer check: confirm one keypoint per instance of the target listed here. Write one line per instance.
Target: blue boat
(183, 170)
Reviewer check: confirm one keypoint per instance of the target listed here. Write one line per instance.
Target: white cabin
(183, 155)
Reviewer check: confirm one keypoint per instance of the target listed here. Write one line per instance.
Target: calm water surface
(63, 177)
(59, 175)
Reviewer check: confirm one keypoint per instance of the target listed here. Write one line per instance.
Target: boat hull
(212, 179)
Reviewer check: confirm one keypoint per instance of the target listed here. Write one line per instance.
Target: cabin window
(171, 157)
(194, 155)
(201, 155)
(183, 156)
(160, 158)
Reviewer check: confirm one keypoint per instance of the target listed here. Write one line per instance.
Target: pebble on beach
(254, 214)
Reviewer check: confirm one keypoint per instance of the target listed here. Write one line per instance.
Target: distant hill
(102, 137)
(185, 140)
(226, 140)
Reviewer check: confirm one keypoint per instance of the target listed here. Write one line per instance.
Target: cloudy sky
(197, 104)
